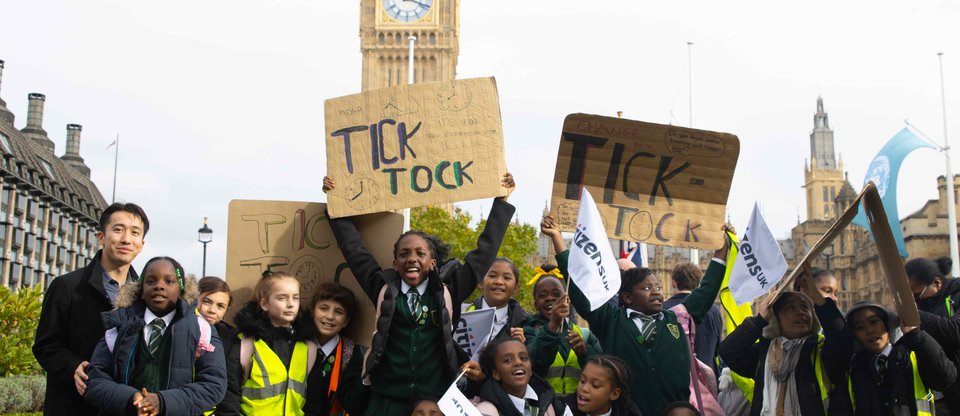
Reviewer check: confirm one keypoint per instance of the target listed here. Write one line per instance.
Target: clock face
(407, 10)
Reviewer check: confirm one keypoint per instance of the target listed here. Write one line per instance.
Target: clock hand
(361, 192)
(426, 6)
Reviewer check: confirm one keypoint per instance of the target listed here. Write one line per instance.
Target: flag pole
(410, 80)
(694, 253)
(116, 157)
(951, 200)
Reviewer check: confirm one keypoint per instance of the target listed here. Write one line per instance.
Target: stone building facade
(49, 207)
(386, 25)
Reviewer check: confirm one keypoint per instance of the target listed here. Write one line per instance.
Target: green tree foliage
(518, 244)
(19, 314)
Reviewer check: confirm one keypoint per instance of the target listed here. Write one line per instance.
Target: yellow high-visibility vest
(271, 389)
(922, 396)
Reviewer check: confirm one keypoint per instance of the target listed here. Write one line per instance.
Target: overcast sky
(221, 100)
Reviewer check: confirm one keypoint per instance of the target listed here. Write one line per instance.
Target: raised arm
(362, 264)
(699, 301)
(478, 261)
(838, 344)
(740, 350)
(580, 302)
(946, 331)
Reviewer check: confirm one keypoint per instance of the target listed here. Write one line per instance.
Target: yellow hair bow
(540, 272)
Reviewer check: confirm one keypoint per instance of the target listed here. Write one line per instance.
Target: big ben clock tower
(386, 25)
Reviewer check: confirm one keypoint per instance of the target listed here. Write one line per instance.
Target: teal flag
(883, 172)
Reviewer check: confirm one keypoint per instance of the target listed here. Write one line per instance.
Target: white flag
(759, 265)
(454, 403)
(592, 265)
(473, 331)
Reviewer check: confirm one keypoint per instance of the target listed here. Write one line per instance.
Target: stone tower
(386, 25)
(823, 174)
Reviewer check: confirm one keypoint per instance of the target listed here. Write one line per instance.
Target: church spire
(821, 141)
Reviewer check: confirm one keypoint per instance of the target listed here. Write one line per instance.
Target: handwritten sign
(889, 254)
(652, 183)
(295, 237)
(424, 144)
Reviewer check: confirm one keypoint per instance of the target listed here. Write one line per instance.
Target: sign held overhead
(652, 183)
(414, 145)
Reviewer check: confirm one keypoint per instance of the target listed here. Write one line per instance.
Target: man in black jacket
(70, 324)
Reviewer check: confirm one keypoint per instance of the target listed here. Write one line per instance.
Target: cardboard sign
(658, 184)
(407, 146)
(295, 237)
(890, 259)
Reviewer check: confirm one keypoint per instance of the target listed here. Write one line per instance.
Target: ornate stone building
(385, 27)
(49, 207)
(853, 256)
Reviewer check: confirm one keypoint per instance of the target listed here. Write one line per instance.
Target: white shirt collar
(330, 346)
(886, 350)
(500, 314)
(658, 316)
(149, 316)
(519, 402)
(421, 288)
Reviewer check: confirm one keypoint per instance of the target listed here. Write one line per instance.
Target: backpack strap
(203, 344)
(311, 355)
(376, 319)
(246, 353)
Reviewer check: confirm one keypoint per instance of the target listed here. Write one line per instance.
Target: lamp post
(205, 235)
(827, 253)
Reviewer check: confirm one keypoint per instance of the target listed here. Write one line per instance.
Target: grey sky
(217, 100)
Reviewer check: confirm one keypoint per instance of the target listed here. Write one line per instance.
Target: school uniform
(538, 400)
(504, 319)
(660, 364)
(230, 405)
(349, 394)
(896, 381)
(412, 352)
(620, 407)
(552, 357)
(279, 354)
(132, 357)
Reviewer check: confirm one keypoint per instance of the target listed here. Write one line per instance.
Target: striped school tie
(156, 330)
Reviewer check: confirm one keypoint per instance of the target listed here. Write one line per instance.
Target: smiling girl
(148, 360)
(412, 353)
(499, 287)
(511, 387)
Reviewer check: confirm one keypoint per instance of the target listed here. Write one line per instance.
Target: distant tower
(823, 175)
(386, 25)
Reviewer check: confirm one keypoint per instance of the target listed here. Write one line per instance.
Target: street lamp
(827, 253)
(205, 235)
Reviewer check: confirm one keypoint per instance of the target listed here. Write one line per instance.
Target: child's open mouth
(582, 400)
(412, 271)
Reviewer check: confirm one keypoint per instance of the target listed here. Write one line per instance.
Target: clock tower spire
(385, 26)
